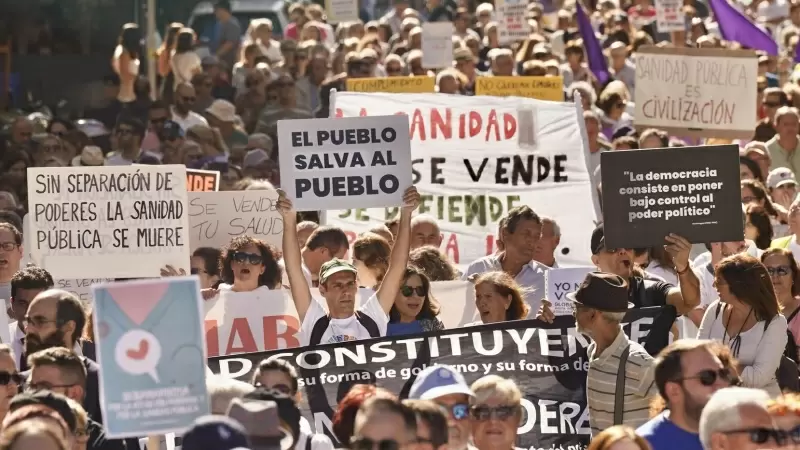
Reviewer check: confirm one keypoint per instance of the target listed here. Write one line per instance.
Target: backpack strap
(718, 309)
(369, 324)
(619, 392)
(791, 316)
(319, 329)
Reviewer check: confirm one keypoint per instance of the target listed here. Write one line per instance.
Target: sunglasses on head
(244, 257)
(483, 413)
(764, 435)
(408, 291)
(369, 444)
(7, 377)
(709, 377)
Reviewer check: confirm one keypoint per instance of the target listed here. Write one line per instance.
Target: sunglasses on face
(764, 435)
(7, 377)
(484, 413)
(779, 271)
(243, 257)
(709, 377)
(369, 444)
(408, 291)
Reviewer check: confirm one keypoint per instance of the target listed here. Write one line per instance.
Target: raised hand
(284, 205)
(411, 199)
(169, 271)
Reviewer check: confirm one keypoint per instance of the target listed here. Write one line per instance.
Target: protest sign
(398, 85)
(345, 163)
(687, 91)
(202, 180)
(108, 221)
(547, 361)
(262, 320)
(81, 287)
(437, 45)
(471, 169)
(669, 16)
(690, 191)
(151, 354)
(512, 26)
(338, 11)
(541, 88)
(562, 281)
(217, 217)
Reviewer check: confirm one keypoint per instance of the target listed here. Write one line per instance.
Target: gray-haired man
(737, 418)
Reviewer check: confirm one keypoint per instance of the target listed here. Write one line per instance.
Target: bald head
(21, 131)
(55, 312)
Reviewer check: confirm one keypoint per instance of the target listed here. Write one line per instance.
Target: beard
(34, 343)
(692, 407)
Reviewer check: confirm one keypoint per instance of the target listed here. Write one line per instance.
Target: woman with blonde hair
(498, 298)
(210, 141)
(495, 412)
(33, 434)
(618, 437)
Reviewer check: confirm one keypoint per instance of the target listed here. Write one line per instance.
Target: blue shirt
(398, 329)
(662, 434)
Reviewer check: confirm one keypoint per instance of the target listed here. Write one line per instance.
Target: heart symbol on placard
(138, 300)
(139, 353)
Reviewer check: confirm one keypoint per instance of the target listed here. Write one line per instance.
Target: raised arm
(292, 260)
(393, 279)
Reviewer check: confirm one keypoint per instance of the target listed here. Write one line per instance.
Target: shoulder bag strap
(619, 392)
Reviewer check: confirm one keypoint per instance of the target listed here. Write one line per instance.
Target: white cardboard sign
(345, 163)
(217, 217)
(437, 45)
(109, 221)
(559, 283)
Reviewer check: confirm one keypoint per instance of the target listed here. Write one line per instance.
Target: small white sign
(669, 16)
(559, 283)
(338, 11)
(437, 45)
(512, 24)
(217, 217)
(359, 162)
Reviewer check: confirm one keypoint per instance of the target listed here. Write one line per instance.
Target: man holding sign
(338, 320)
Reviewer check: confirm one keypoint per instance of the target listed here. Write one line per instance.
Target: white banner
(336, 164)
(109, 222)
(217, 217)
(471, 169)
(696, 92)
(261, 320)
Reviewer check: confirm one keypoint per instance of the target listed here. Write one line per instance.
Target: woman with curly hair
(498, 298)
(371, 258)
(415, 309)
(249, 264)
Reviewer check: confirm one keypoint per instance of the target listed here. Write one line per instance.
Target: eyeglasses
(484, 413)
(459, 411)
(749, 199)
(709, 377)
(7, 377)
(408, 291)
(280, 387)
(244, 257)
(764, 435)
(45, 386)
(38, 321)
(369, 444)
(8, 246)
(779, 271)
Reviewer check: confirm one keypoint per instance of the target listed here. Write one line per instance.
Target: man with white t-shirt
(341, 321)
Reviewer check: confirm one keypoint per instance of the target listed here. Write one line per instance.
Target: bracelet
(681, 272)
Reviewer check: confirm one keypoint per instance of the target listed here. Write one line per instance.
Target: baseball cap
(334, 266)
(171, 130)
(437, 381)
(598, 241)
(217, 432)
(780, 176)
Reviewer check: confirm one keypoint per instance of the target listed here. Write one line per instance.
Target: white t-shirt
(318, 441)
(190, 120)
(184, 66)
(341, 330)
(285, 278)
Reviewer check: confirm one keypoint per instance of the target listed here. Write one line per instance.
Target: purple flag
(797, 54)
(594, 52)
(734, 26)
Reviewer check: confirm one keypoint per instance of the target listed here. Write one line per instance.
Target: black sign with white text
(690, 191)
(547, 361)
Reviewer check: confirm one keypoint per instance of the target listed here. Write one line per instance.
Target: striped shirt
(602, 382)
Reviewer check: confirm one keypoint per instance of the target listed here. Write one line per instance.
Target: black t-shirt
(644, 293)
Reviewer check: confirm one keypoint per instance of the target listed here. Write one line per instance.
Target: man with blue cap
(445, 386)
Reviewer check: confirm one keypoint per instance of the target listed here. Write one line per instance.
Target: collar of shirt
(619, 343)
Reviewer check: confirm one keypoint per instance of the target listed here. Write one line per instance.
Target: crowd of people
(723, 382)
